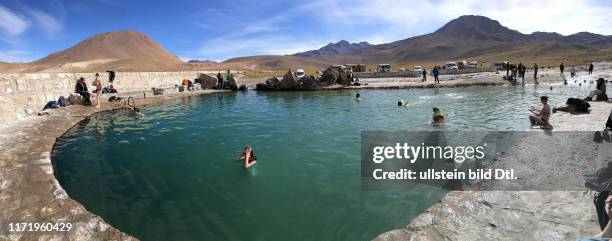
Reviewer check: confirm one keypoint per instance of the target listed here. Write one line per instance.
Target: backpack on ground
(63, 101)
(51, 105)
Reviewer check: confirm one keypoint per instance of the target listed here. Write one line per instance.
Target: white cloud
(45, 22)
(15, 56)
(12, 24)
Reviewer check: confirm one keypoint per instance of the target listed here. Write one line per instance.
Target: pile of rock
(207, 81)
(291, 82)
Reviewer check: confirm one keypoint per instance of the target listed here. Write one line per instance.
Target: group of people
(435, 72)
(81, 88)
(229, 76)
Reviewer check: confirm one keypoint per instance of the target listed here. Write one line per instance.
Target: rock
(230, 84)
(330, 75)
(289, 82)
(207, 81)
(310, 83)
(343, 78)
(242, 88)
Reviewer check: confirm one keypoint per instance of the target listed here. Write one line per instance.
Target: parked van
(418, 69)
(462, 64)
(451, 65)
(473, 65)
(300, 73)
(384, 68)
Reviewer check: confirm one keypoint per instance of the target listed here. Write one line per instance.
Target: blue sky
(218, 30)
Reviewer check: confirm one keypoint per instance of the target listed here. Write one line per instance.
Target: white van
(300, 73)
(451, 65)
(473, 65)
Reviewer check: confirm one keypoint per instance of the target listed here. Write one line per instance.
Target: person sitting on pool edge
(248, 156)
(437, 116)
(541, 117)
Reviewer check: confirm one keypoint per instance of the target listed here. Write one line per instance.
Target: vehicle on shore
(300, 73)
(499, 65)
(451, 65)
(417, 69)
(473, 65)
(384, 68)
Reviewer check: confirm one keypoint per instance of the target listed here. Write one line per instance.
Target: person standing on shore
(562, 67)
(424, 75)
(436, 73)
(591, 68)
(219, 80)
(535, 72)
(98, 84)
(507, 66)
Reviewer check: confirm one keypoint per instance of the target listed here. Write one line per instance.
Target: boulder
(289, 82)
(230, 84)
(310, 83)
(343, 78)
(242, 88)
(330, 75)
(207, 81)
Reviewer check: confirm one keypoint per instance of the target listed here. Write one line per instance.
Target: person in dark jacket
(81, 89)
(219, 80)
(561, 68)
(424, 75)
(591, 68)
(436, 73)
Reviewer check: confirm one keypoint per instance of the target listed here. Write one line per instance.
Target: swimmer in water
(357, 97)
(437, 116)
(248, 156)
(402, 103)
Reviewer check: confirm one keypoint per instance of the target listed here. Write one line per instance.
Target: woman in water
(437, 116)
(248, 156)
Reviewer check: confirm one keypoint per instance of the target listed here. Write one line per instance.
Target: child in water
(437, 116)
(248, 156)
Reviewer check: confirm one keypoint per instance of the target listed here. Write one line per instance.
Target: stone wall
(23, 95)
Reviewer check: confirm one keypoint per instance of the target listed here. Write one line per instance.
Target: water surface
(170, 175)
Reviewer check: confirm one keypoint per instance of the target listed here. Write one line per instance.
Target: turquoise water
(170, 175)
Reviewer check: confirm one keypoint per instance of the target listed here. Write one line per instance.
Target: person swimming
(358, 97)
(248, 156)
(438, 116)
(402, 103)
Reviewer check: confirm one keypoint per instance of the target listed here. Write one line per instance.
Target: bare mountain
(341, 47)
(125, 50)
(474, 37)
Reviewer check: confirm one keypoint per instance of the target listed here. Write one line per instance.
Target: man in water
(357, 97)
(591, 68)
(541, 117)
(438, 116)
(562, 67)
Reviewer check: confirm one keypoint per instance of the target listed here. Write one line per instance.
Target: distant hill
(341, 47)
(124, 50)
(467, 37)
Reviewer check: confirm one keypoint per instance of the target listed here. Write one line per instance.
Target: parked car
(418, 69)
(473, 65)
(384, 68)
(499, 65)
(451, 65)
(300, 73)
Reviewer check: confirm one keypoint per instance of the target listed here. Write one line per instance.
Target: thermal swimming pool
(170, 175)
